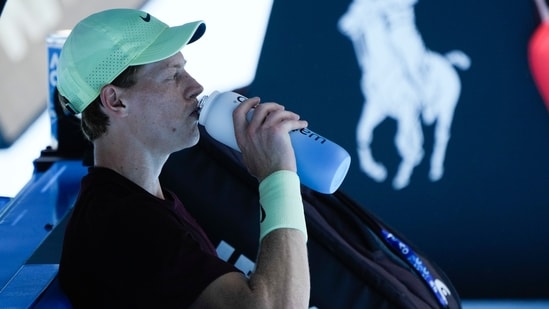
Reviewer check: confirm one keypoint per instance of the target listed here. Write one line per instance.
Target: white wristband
(281, 203)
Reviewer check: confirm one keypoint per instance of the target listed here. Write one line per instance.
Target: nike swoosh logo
(146, 18)
(262, 215)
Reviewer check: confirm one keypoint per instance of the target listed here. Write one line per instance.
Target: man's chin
(194, 142)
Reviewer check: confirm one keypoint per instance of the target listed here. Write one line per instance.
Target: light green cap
(104, 44)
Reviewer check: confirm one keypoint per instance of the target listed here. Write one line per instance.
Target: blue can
(54, 44)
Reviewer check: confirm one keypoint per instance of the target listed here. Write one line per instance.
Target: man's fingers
(240, 112)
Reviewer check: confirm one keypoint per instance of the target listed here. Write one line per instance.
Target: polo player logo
(402, 80)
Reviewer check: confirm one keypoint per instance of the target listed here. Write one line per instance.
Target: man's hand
(264, 140)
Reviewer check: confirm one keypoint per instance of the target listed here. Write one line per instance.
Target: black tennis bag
(356, 261)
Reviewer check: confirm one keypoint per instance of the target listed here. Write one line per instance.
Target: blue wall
(485, 221)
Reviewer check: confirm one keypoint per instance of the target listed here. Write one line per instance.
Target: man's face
(163, 112)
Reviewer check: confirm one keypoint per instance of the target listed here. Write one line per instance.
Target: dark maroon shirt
(125, 248)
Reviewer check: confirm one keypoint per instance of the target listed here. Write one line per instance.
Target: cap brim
(171, 41)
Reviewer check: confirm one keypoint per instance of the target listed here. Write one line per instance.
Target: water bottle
(54, 44)
(321, 164)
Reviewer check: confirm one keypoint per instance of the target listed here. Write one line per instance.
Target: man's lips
(196, 111)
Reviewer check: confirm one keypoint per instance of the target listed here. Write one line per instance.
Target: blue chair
(53, 297)
(34, 286)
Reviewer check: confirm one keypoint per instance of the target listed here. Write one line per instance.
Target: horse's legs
(442, 137)
(443, 110)
(409, 143)
(369, 119)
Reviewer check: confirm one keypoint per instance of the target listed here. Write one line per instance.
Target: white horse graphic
(403, 80)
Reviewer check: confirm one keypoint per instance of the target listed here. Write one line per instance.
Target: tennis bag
(356, 261)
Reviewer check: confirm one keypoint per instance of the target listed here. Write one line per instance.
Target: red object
(538, 53)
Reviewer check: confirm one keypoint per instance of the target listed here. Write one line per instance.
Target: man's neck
(140, 166)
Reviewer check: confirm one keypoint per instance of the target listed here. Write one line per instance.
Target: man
(129, 242)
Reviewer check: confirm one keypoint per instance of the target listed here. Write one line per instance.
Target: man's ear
(110, 97)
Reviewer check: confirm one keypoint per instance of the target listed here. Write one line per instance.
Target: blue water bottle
(321, 164)
(54, 45)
